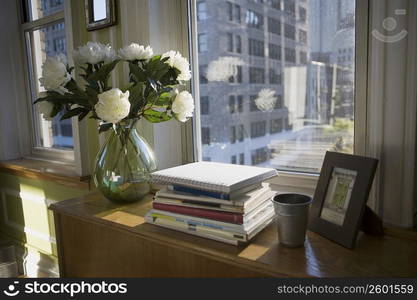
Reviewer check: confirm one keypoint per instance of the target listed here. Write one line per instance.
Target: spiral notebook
(212, 176)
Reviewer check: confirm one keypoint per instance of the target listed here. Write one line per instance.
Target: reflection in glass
(49, 41)
(99, 10)
(291, 63)
(37, 9)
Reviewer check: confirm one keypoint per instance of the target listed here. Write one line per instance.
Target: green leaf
(137, 72)
(155, 116)
(163, 100)
(104, 127)
(103, 72)
(73, 112)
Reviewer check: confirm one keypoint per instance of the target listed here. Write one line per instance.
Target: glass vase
(123, 165)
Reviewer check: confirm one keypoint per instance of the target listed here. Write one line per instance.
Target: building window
(43, 39)
(254, 19)
(232, 104)
(237, 14)
(240, 103)
(289, 31)
(233, 134)
(203, 74)
(274, 26)
(241, 133)
(260, 155)
(256, 75)
(204, 105)
(205, 135)
(302, 36)
(288, 104)
(233, 159)
(289, 7)
(302, 14)
(242, 158)
(275, 126)
(274, 77)
(202, 42)
(274, 51)
(201, 10)
(257, 129)
(229, 42)
(230, 10)
(256, 47)
(238, 39)
(290, 55)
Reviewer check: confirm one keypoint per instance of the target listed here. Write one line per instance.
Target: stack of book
(223, 202)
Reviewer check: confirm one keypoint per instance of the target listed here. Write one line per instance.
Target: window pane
(48, 41)
(286, 97)
(36, 9)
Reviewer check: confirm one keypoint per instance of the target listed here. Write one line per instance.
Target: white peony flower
(136, 52)
(266, 100)
(223, 68)
(54, 74)
(113, 105)
(45, 108)
(176, 60)
(183, 106)
(93, 53)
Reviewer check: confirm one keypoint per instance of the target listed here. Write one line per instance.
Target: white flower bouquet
(152, 92)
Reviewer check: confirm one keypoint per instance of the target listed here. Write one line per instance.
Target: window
(275, 126)
(203, 74)
(256, 47)
(204, 105)
(275, 4)
(241, 133)
(230, 11)
(254, 19)
(302, 14)
(289, 31)
(205, 135)
(233, 134)
(274, 77)
(238, 43)
(274, 51)
(260, 155)
(201, 11)
(290, 55)
(237, 14)
(46, 38)
(202, 42)
(229, 42)
(232, 104)
(257, 129)
(238, 77)
(233, 159)
(242, 158)
(289, 123)
(274, 26)
(302, 36)
(240, 103)
(256, 75)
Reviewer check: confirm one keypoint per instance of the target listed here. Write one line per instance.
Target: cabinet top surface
(388, 256)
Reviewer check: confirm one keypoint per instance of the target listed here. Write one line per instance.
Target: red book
(223, 216)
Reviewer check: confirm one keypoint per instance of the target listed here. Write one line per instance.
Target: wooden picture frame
(340, 198)
(100, 14)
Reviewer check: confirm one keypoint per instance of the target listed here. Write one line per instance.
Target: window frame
(27, 26)
(288, 180)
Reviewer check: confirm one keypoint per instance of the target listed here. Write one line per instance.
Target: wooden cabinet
(97, 238)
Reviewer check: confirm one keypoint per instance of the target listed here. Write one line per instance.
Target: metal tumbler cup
(291, 212)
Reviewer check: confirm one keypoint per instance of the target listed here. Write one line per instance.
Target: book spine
(184, 189)
(202, 213)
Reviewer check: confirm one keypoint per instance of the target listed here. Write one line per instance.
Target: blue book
(212, 194)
